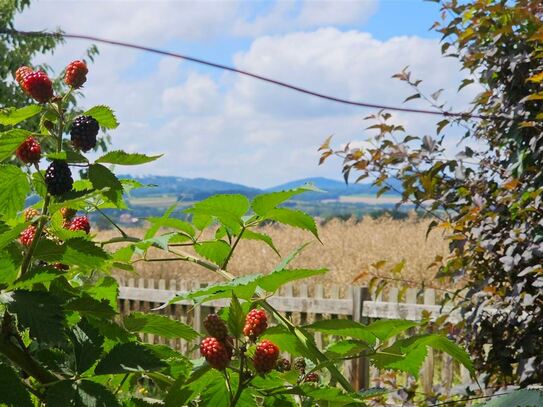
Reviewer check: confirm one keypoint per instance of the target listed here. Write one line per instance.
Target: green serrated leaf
(41, 313)
(285, 340)
(104, 116)
(122, 158)
(82, 393)
(87, 305)
(87, 342)
(101, 178)
(128, 357)
(217, 250)
(11, 117)
(159, 325)
(264, 203)
(10, 140)
(69, 156)
(76, 252)
(250, 235)
(344, 327)
(14, 188)
(346, 347)
(12, 391)
(236, 317)
(517, 398)
(295, 218)
(244, 287)
(387, 328)
(271, 282)
(227, 208)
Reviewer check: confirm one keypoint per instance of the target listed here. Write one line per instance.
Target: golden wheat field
(348, 249)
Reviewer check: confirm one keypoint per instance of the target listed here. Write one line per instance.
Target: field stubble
(348, 249)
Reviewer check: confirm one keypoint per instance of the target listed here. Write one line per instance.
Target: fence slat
(428, 367)
(142, 295)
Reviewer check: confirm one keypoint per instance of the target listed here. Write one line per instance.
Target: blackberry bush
(63, 340)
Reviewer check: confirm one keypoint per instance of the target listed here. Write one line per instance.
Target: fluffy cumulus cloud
(225, 126)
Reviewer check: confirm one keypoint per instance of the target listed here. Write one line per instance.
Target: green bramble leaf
(286, 341)
(271, 282)
(243, 287)
(158, 325)
(7, 237)
(41, 313)
(217, 251)
(121, 158)
(11, 117)
(345, 348)
(517, 398)
(264, 203)
(408, 354)
(77, 252)
(104, 116)
(69, 156)
(387, 328)
(295, 218)
(226, 208)
(14, 188)
(87, 343)
(101, 178)
(127, 358)
(81, 393)
(343, 327)
(10, 140)
(250, 235)
(12, 391)
(236, 317)
(87, 305)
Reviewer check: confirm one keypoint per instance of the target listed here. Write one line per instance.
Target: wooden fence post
(360, 366)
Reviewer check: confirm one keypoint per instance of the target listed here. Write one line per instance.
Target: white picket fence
(305, 304)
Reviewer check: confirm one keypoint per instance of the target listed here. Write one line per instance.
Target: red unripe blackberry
(311, 377)
(58, 178)
(29, 151)
(39, 86)
(265, 357)
(83, 132)
(80, 223)
(30, 213)
(20, 75)
(255, 323)
(215, 352)
(215, 326)
(27, 236)
(283, 365)
(76, 74)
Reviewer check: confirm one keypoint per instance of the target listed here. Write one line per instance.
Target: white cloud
(236, 128)
(290, 15)
(199, 94)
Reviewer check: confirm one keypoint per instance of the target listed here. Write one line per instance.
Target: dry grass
(348, 249)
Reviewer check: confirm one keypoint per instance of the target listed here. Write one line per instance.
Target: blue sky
(213, 124)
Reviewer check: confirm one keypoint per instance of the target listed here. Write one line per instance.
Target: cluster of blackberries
(218, 348)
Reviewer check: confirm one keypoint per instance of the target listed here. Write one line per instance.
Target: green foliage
(486, 200)
(64, 342)
(158, 325)
(104, 116)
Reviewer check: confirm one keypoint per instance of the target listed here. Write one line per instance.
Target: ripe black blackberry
(58, 178)
(83, 132)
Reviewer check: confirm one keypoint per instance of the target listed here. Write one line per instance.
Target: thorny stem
(238, 238)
